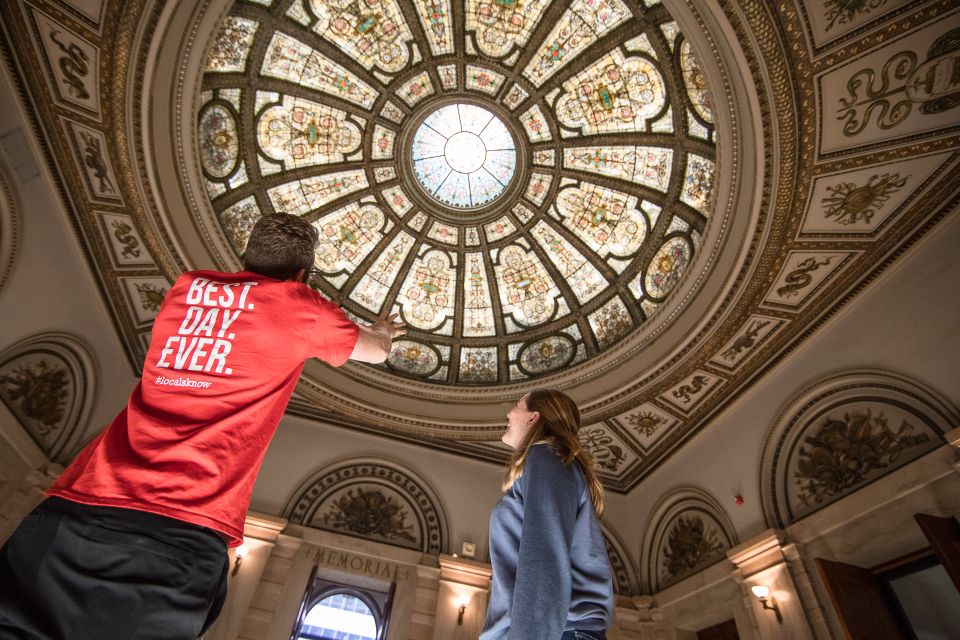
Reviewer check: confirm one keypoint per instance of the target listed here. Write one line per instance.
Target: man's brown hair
(280, 245)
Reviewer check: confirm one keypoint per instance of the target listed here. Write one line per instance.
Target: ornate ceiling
(523, 182)
(826, 146)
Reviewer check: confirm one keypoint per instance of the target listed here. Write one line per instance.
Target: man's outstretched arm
(373, 343)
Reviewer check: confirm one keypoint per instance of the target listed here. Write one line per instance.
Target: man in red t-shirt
(132, 541)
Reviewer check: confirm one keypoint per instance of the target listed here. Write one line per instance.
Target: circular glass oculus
(463, 156)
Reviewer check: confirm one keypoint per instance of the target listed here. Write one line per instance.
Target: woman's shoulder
(544, 455)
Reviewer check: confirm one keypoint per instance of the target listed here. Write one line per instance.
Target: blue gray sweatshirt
(550, 568)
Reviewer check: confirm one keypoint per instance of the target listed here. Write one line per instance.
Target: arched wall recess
(688, 531)
(843, 433)
(625, 581)
(372, 498)
(9, 228)
(48, 382)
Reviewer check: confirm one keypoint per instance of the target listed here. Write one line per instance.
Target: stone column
(260, 533)
(765, 561)
(464, 585)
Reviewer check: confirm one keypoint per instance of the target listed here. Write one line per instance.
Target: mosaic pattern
(219, 143)
(610, 322)
(300, 196)
(427, 295)
(373, 35)
(614, 94)
(301, 133)
(383, 143)
(238, 221)
(501, 27)
(535, 125)
(608, 221)
(483, 80)
(347, 236)
(289, 59)
(580, 26)
(437, 25)
(478, 364)
(416, 89)
(471, 166)
(546, 355)
(463, 156)
(477, 307)
(414, 358)
(698, 184)
(375, 284)
(579, 273)
(649, 166)
(666, 267)
(538, 188)
(232, 45)
(527, 292)
(696, 84)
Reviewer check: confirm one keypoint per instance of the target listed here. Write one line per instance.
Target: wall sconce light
(242, 551)
(462, 602)
(768, 601)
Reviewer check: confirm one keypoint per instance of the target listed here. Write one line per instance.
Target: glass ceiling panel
(493, 170)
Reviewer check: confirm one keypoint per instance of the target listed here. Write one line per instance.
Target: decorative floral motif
(690, 545)
(615, 94)
(369, 513)
(40, 391)
(851, 204)
(843, 453)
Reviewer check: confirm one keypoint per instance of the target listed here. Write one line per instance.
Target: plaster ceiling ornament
(687, 531)
(373, 499)
(843, 433)
(684, 201)
(47, 382)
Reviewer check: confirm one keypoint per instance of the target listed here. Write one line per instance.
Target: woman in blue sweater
(551, 574)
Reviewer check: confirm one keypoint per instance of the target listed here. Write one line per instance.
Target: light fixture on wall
(241, 551)
(767, 600)
(462, 602)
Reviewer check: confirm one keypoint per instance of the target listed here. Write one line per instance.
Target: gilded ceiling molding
(686, 532)
(48, 382)
(841, 434)
(372, 498)
(803, 220)
(9, 229)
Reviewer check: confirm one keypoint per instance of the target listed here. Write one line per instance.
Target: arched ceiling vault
(790, 212)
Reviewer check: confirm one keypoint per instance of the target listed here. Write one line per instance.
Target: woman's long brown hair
(559, 426)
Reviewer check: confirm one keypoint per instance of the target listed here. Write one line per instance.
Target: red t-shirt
(226, 352)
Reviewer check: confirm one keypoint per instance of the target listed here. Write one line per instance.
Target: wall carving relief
(93, 162)
(646, 424)
(120, 235)
(145, 296)
(842, 434)
(688, 531)
(865, 200)
(907, 86)
(610, 453)
(72, 61)
(754, 332)
(373, 499)
(804, 273)
(688, 393)
(47, 383)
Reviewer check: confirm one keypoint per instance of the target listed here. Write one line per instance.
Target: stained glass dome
(525, 183)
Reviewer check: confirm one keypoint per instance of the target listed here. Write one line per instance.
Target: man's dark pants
(78, 571)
